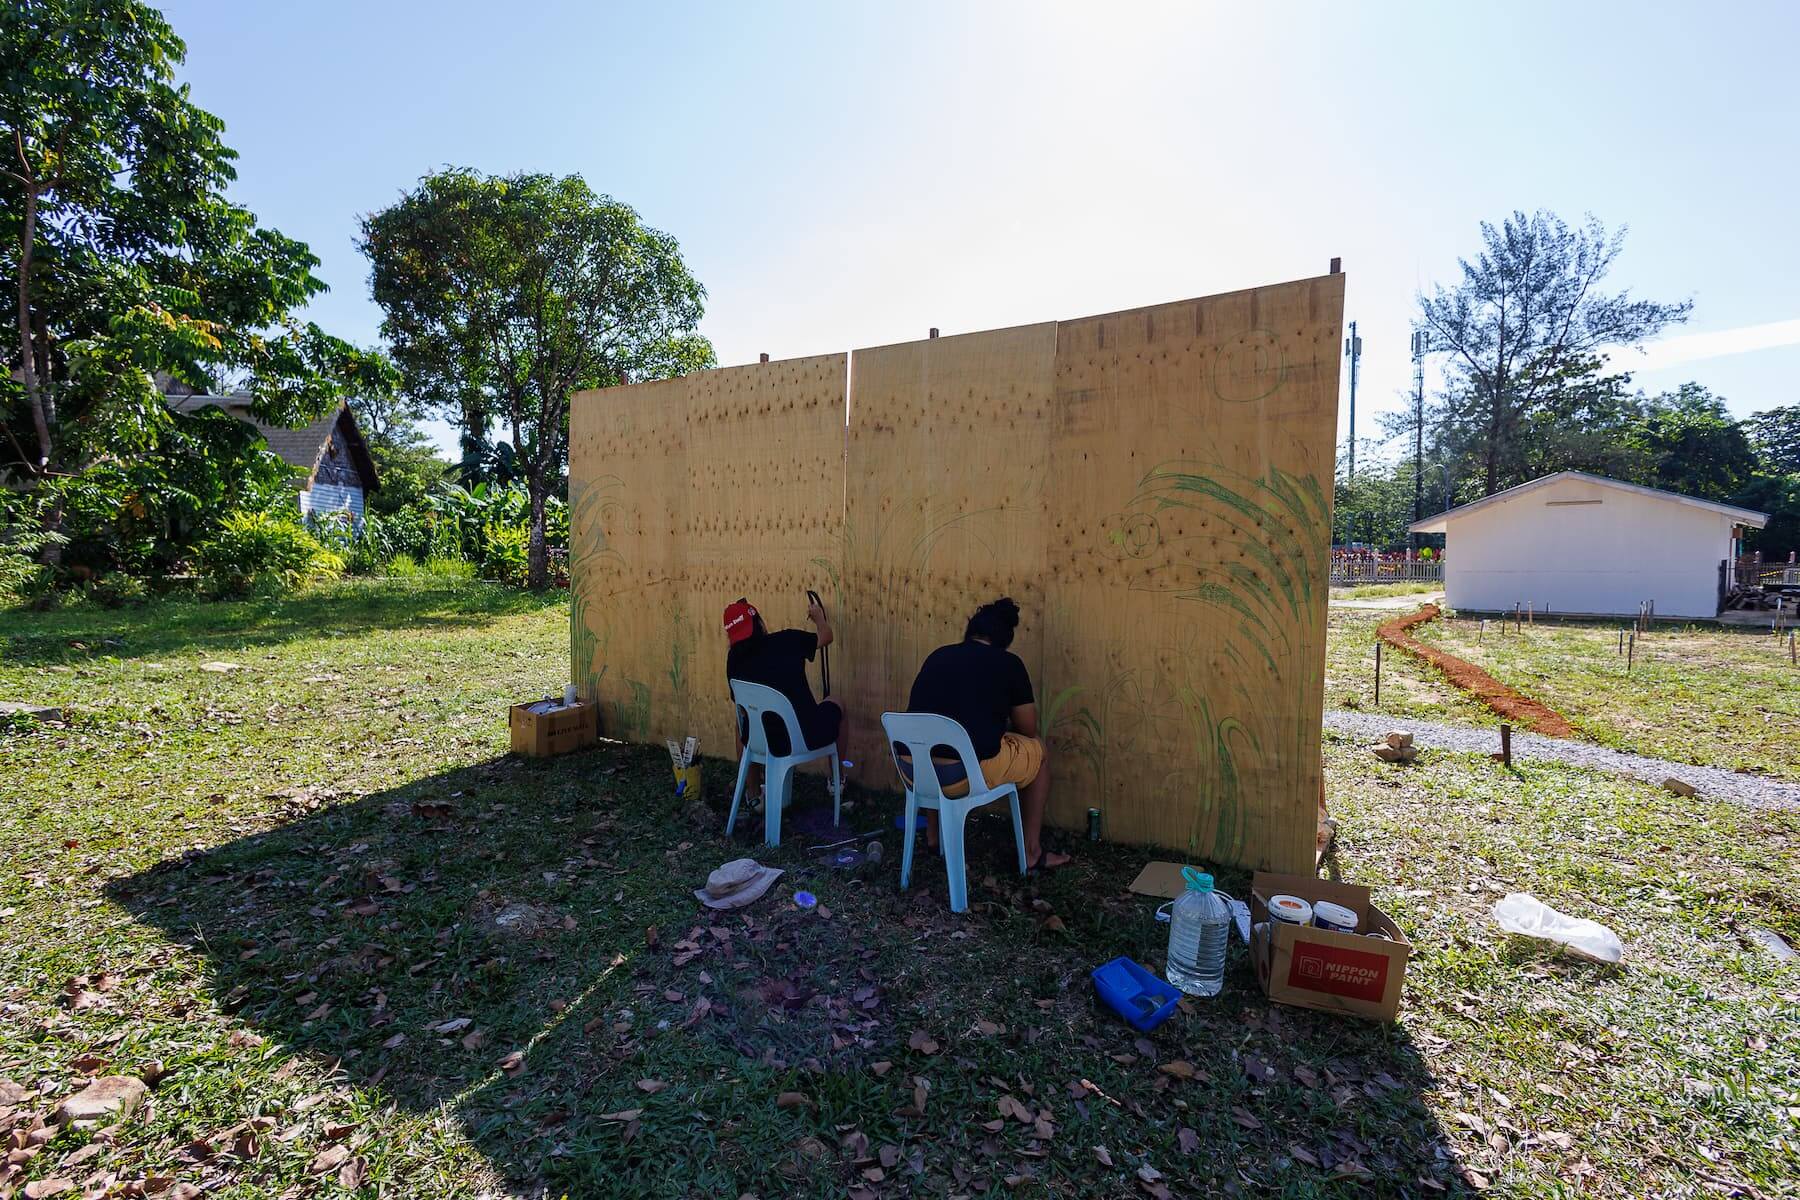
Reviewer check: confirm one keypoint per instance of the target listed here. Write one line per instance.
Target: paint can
(1093, 824)
(1290, 910)
(1327, 915)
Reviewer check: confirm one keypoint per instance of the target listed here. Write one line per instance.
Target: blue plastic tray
(1135, 994)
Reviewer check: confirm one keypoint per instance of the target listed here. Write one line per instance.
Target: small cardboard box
(1352, 973)
(547, 734)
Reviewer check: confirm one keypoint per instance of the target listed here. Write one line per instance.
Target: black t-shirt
(977, 686)
(778, 660)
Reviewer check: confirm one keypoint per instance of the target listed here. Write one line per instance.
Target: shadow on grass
(191, 625)
(515, 943)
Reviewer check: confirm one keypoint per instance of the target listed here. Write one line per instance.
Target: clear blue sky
(845, 175)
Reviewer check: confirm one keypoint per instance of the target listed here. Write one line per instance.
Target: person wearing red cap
(778, 660)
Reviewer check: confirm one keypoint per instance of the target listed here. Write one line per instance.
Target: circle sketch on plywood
(1132, 535)
(1248, 368)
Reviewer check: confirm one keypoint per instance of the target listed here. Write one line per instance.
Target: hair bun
(1006, 610)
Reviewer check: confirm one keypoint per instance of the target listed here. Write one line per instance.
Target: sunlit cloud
(1691, 347)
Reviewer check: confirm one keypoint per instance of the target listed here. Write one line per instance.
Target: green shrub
(258, 551)
(505, 552)
(116, 589)
(401, 566)
(446, 567)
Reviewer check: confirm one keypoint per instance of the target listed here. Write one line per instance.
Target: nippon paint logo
(1353, 973)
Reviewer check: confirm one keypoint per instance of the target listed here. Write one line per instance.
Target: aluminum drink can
(1093, 824)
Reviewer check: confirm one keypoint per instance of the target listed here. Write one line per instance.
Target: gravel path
(1751, 790)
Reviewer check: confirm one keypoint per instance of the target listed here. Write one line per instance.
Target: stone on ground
(1399, 739)
(110, 1097)
(1679, 787)
(37, 712)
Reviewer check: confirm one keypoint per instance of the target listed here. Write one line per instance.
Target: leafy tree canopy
(505, 294)
(1522, 333)
(127, 257)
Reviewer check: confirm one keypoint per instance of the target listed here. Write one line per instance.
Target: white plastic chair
(919, 734)
(752, 700)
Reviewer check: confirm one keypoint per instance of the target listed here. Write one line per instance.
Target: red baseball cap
(740, 620)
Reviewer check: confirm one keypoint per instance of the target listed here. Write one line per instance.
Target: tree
(505, 294)
(1775, 436)
(1525, 324)
(1692, 446)
(127, 260)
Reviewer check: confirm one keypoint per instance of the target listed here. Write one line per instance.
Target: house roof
(1437, 524)
(303, 447)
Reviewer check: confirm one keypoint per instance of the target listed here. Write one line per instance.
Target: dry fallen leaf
(1104, 1155)
(513, 1063)
(328, 1159)
(48, 1187)
(624, 1114)
(923, 1042)
(353, 1174)
(454, 1025)
(793, 1100)
(651, 1086)
(1187, 1139)
(1180, 1068)
(475, 1039)
(881, 1068)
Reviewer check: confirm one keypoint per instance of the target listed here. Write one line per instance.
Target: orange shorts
(1018, 761)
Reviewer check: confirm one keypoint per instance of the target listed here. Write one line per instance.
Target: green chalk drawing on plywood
(595, 570)
(1254, 550)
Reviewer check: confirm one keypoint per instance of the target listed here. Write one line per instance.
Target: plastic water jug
(1199, 929)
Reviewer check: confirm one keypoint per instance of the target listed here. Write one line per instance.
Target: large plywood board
(945, 508)
(628, 494)
(765, 486)
(1191, 451)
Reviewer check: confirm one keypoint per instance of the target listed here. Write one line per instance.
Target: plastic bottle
(1199, 929)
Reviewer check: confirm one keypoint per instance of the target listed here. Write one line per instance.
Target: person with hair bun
(985, 688)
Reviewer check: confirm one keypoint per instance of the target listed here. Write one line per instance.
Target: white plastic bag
(1525, 914)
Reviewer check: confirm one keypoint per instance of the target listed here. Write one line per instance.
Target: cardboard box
(546, 734)
(1320, 968)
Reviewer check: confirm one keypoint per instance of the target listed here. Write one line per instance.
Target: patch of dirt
(499, 918)
(1513, 705)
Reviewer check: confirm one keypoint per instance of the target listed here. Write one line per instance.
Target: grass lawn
(372, 954)
(1409, 688)
(1377, 591)
(1720, 697)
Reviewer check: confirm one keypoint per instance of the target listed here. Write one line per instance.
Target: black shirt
(778, 660)
(977, 686)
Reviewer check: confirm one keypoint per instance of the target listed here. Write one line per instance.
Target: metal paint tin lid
(1327, 915)
(1290, 910)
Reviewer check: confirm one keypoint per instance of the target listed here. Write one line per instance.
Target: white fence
(1353, 572)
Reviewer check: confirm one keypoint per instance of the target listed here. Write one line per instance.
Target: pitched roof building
(336, 470)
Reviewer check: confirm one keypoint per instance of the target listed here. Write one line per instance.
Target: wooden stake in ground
(1630, 652)
(1505, 744)
(1378, 673)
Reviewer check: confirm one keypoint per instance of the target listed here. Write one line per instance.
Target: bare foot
(1049, 860)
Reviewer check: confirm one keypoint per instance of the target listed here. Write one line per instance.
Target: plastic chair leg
(777, 781)
(837, 790)
(906, 853)
(1019, 834)
(950, 831)
(737, 794)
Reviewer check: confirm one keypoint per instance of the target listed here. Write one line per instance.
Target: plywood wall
(1192, 454)
(1152, 487)
(628, 500)
(765, 509)
(946, 507)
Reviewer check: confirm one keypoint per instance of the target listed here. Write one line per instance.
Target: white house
(1580, 544)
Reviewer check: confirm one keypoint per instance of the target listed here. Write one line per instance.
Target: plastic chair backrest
(755, 699)
(922, 733)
